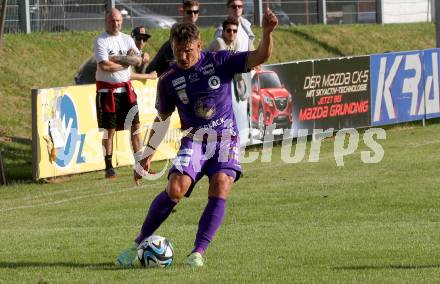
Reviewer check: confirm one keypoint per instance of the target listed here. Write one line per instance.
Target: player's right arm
(156, 135)
(165, 106)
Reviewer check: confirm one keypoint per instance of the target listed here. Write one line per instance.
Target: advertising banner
(278, 97)
(329, 93)
(397, 87)
(340, 90)
(431, 78)
(66, 138)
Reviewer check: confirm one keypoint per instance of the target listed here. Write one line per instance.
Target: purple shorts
(199, 158)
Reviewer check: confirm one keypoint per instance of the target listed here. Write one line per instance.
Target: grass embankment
(51, 60)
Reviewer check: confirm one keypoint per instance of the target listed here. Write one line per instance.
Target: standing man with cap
(115, 53)
(164, 57)
(87, 71)
(141, 36)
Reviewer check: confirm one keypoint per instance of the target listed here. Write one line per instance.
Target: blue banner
(397, 87)
(431, 87)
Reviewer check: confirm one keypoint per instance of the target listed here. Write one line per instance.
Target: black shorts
(109, 120)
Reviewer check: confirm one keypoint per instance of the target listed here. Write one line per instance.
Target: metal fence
(64, 15)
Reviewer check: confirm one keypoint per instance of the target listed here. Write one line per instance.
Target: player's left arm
(264, 50)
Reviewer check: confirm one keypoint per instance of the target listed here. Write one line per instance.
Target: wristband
(139, 155)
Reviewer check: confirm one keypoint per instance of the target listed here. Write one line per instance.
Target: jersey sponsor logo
(185, 152)
(178, 81)
(193, 77)
(182, 96)
(214, 82)
(208, 69)
(208, 66)
(182, 161)
(208, 72)
(214, 123)
(180, 87)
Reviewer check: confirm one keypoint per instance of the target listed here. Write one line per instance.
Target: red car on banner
(271, 102)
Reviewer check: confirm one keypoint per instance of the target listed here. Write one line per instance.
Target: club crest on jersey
(214, 82)
(204, 109)
(182, 96)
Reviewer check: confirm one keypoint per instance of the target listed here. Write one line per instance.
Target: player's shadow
(92, 266)
(28, 264)
(389, 266)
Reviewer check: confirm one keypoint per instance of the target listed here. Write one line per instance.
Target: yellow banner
(65, 134)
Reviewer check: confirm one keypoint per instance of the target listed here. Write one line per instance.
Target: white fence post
(379, 11)
(109, 4)
(322, 13)
(437, 23)
(258, 12)
(24, 16)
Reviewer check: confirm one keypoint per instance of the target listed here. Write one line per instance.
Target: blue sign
(431, 88)
(69, 124)
(397, 87)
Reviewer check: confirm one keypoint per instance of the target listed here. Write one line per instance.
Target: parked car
(271, 102)
(139, 15)
(67, 15)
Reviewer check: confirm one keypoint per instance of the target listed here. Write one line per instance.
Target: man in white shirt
(115, 53)
(245, 39)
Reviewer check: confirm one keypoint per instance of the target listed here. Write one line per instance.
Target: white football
(155, 251)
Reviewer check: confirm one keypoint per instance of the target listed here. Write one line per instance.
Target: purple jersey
(202, 94)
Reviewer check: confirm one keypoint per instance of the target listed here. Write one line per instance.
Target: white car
(69, 15)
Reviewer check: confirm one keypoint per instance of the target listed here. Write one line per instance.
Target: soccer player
(199, 86)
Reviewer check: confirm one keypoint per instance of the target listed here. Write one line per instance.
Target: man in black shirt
(164, 56)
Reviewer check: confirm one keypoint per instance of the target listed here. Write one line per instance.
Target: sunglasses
(229, 30)
(190, 12)
(141, 39)
(236, 7)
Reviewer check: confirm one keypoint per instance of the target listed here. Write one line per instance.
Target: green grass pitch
(285, 223)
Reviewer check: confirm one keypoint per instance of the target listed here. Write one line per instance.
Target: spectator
(115, 53)
(164, 57)
(141, 36)
(87, 71)
(245, 38)
(228, 41)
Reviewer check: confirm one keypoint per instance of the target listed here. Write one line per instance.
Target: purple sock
(210, 221)
(159, 211)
